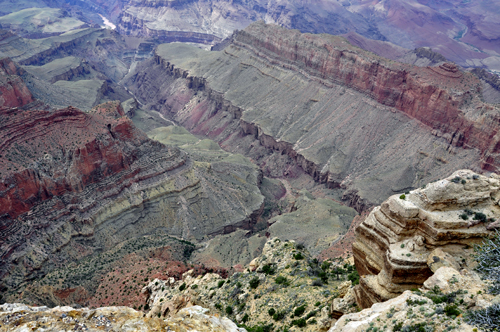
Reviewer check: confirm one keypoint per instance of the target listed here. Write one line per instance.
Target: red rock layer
(29, 138)
(444, 99)
(13, 91)
(61, 166)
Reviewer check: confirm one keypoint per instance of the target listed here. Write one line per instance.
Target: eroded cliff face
(211, 21)
(13, 91)
(402, 242)
(289, 101)
(73, 184)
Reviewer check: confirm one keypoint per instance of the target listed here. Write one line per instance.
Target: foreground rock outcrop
(282, 287)
(403, 242)
(289, 100)
(20, 317)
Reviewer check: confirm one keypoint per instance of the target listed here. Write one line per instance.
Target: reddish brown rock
(438, 97)
(13, 91)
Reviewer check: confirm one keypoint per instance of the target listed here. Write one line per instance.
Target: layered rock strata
(73, 183)
(402, 242)
(288, 100)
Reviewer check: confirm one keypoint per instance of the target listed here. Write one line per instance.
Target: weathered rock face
(20, 317)
(73, 183)
(289, 100)
(401, 243)
(210, 21)
(13, 91)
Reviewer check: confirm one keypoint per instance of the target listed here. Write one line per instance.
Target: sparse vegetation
(254, 283)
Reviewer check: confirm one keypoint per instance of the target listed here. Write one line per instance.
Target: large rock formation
(13, 91)
(464, 32)
(73, 184)
(402, 242)
(289, 100)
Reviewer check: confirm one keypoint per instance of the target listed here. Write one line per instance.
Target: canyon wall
(314, 103)
(74, 184)
(13, 91)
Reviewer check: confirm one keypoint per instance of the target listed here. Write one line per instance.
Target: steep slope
(289, 100)
(74, 184)
(13, 91)
(80, 68)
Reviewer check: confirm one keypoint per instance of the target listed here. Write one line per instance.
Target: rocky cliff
(210, 21)
(401, 243)
(13, 91)
(288, 100)
(74, 184)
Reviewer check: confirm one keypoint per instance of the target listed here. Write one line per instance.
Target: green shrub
(479, 216)
(194, 286)
(317, 283)
(218, 306)
(299, 311)
(245, 318)
(279, 315)
(229, 310)
(254, 283)
(403, 196)
(280, 280)
(299, 322)
(182, 287)
(298, 256)
(271, 311)
(259, 328)
(354, 277)
(325, 265)
(451, 310)
(311, 314)
(268, 269)
(415, 302)
(221, 283)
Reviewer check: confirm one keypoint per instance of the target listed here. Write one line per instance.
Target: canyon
(468, 31)
(256, 171)
(288, 100)
(76, 184)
